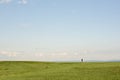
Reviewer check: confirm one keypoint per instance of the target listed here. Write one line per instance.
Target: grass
(59, 71)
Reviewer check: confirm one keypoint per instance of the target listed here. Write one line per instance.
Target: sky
(60, 30)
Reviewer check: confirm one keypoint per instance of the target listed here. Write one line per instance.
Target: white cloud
(9, 54)
(23, 1)
(60, 56)
(39, 54)
(5, 1)
(9, 1)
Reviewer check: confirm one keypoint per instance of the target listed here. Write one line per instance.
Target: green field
(59, 71)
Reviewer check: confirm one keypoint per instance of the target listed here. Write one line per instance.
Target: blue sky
(65, 30)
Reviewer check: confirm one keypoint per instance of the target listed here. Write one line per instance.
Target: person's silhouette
(81, 60)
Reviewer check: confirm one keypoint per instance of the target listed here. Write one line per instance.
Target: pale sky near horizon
(59, 30)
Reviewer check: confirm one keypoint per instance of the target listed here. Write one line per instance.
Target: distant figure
(81, 60)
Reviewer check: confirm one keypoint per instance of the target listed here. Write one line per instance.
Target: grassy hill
(59, 71)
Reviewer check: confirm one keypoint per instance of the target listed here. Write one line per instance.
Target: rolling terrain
(13, 70)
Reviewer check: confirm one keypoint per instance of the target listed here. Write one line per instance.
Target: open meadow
(59, 71)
